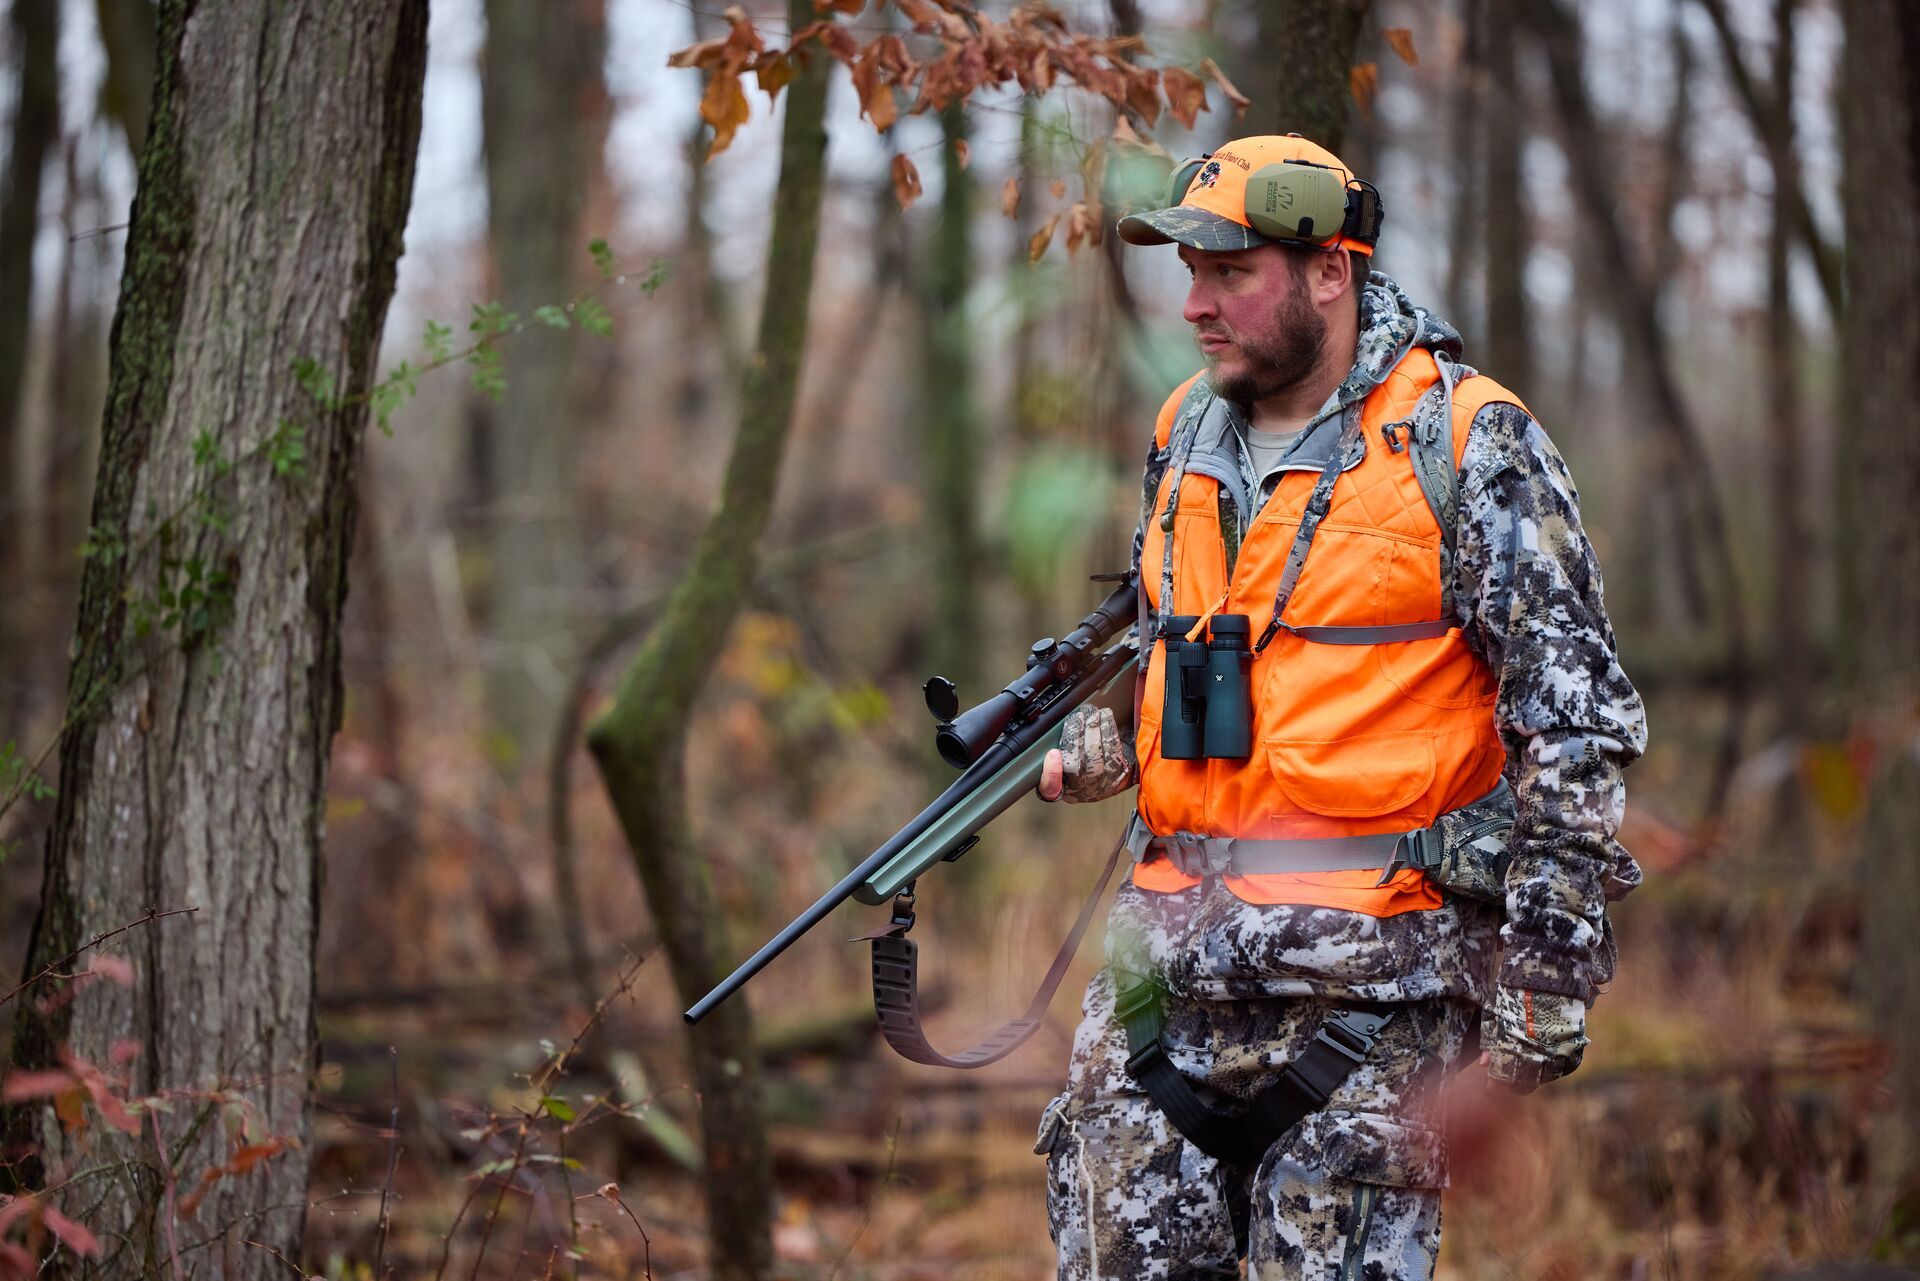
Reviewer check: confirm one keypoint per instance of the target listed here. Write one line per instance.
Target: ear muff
(1183, 175)
(1297, 202)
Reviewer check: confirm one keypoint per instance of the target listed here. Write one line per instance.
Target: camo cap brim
(1185, 225)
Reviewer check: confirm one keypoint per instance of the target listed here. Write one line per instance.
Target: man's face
(1253, 320)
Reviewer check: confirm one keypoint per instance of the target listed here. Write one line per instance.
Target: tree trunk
(1307, 49)
(543, 110)
(1880, 130)
(1509, 313)
(272, 196)
(1703, 543)
(1786, 444)
(1462, 160)
(640, 743)
(35, 38)
(127, 34)
(949, 453)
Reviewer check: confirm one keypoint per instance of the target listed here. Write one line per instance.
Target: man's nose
(1199, 305)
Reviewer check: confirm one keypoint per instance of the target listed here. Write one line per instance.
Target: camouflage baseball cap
(1212, 214)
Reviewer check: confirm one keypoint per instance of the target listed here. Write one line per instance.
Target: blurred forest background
(1686, 231)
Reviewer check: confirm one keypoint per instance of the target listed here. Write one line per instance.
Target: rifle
(999, 747)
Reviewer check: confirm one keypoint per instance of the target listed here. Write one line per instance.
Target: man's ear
(1331, 275)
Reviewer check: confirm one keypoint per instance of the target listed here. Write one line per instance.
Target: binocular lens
(1207, 712)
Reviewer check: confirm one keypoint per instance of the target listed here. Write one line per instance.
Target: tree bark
(543, 110)
(1880, 131)
(1307, 49)
(640, 743)
(268, 217)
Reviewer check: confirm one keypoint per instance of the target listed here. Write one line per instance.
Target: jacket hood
(1390, 326)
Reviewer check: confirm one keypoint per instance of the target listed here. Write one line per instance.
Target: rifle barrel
(990, 760)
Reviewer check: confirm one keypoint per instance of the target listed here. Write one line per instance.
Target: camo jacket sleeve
(1528, 596)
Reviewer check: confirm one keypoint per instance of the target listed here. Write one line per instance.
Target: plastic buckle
(1188, 852)
(1363, 1029)
(1424, 848)
(1391, 434)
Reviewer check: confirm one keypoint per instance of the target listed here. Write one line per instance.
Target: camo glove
(1096, 759)
(1536, 1037)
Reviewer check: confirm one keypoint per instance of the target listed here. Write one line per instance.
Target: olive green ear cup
(1298, 202)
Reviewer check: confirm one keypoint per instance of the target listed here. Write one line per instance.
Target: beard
(1280, 359)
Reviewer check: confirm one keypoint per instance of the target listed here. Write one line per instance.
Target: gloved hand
(1533, 1037)
(1094, 759)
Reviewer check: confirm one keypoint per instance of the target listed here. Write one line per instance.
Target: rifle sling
(896, 987)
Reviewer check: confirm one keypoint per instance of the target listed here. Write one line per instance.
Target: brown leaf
(1186, 95)
(1239, 100)
(774, 72)
(1057, 189)
(848, 7)
(962, 152)
(1400, 40)
(1143, 95)
(919, 13)
(1040, 239)
(1363, 82)
(705, 55)
(23, 1084)
(906, 181)
(1010, 197)
(724, 106)
(1077, 223)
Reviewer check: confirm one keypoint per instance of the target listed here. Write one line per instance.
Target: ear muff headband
(1298, 201)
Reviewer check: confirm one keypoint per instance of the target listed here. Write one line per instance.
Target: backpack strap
(1437, 445)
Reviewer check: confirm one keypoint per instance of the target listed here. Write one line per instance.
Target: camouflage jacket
(1527, 595)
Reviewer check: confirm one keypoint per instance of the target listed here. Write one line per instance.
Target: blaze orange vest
(1348, 739)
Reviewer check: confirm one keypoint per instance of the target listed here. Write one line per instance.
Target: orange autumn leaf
(724, 106)
(848, 7)
(775, 72)
(1239, 100)
(1038, 243)
(1078, 223)
(1400, 40)
(1010, 197)
(906, 181)
(1363, 82)
(962, 152)
(1186, 95)
(1058, 188)
(1143, 95)
(918, 12)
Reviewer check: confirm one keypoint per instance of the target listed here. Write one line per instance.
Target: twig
(297, 1269)
(446, 1243)
(393, 1161)
(78, 236)
(152, 914)
(558, 1063)
(513, 1172)
(172, 1212)
(611, 1192)
(893, 1149)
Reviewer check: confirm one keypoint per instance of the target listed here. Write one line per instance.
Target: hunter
(1378, 746)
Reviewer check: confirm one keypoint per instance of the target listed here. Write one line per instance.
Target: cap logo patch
(1209, 175)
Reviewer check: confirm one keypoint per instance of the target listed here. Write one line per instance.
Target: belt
(1196, 854)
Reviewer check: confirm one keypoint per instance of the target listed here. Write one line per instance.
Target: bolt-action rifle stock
(999, 746)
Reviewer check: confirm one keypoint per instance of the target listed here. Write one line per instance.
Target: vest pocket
(1367, 776)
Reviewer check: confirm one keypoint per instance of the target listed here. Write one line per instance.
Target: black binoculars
(1208, 713)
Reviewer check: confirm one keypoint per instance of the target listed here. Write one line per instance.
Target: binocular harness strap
(1241, 1137)
(896, 985)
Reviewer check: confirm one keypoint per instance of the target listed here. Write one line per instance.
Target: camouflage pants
(1353, 1191)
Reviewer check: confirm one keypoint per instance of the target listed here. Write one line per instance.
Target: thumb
(1052, 776)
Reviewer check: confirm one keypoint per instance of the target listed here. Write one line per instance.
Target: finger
(1052, 775)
